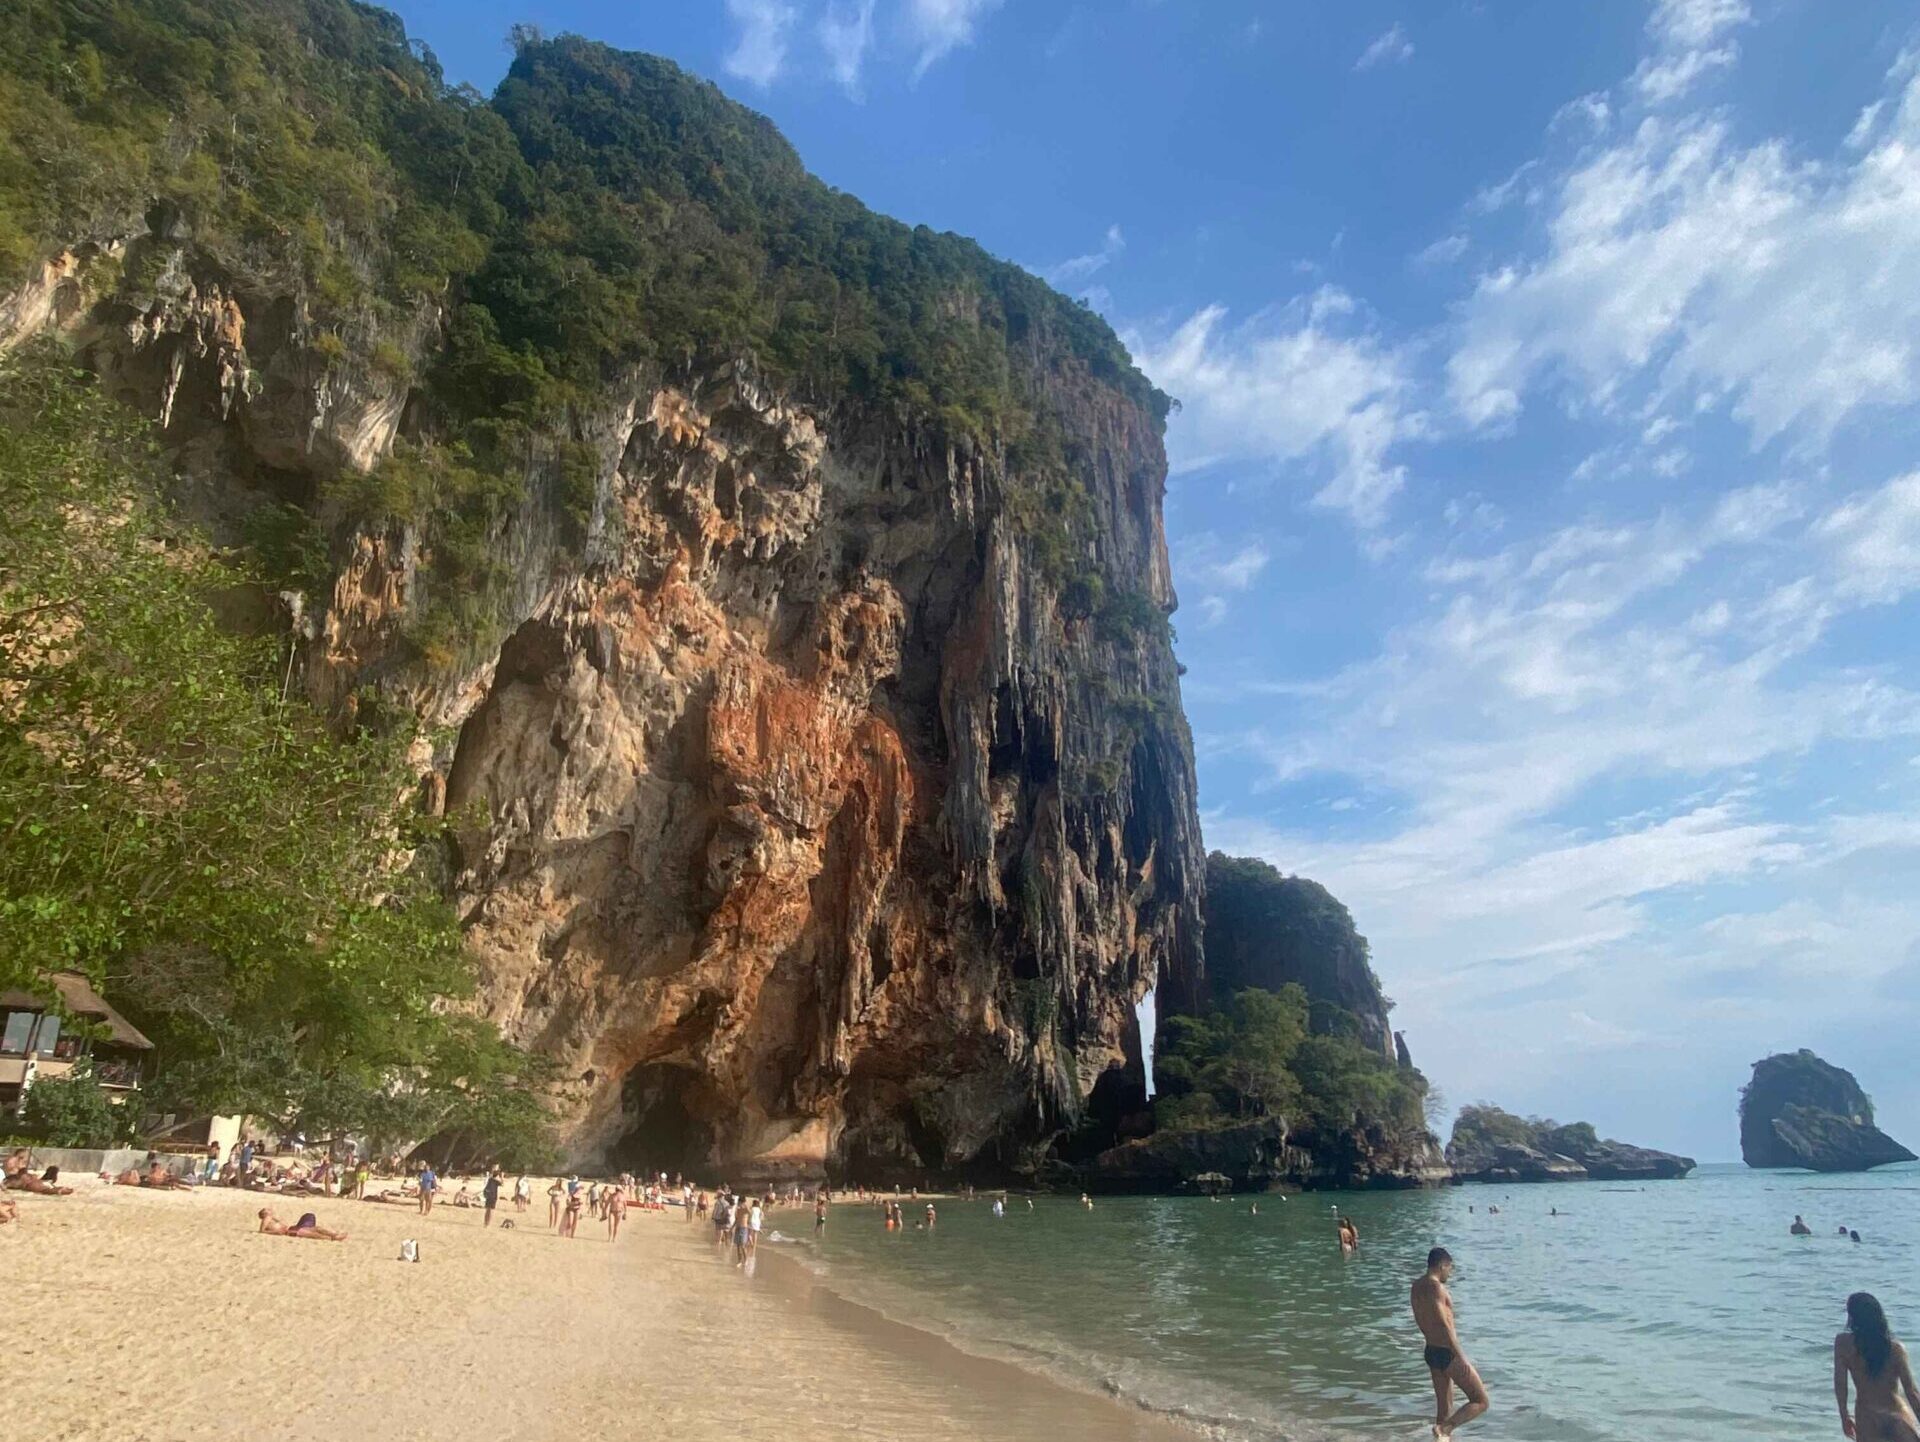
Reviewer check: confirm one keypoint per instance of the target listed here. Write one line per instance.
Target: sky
(1545, 494)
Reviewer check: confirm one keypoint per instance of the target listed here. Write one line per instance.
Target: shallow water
(1679, 1309)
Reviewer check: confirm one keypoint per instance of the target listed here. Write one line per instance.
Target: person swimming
(1867, 1357)
(1799, 1227)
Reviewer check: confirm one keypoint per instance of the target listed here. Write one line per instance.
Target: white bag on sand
(409, 1250)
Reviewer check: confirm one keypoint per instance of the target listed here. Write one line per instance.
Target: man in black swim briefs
(1446, 1363)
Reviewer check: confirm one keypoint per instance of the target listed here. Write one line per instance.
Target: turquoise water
(1675, 1310)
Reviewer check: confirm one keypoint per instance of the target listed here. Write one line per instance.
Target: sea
(1680, 1309)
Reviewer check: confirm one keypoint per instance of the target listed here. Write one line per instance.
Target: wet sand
(163, 1315)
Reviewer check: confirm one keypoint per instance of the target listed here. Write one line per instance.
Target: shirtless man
(616, 1214)
(308, 1226)
(1866, 1354)
(1433, 1315)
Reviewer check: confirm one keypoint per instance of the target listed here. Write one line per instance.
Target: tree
(72, 1111)
(206, 850)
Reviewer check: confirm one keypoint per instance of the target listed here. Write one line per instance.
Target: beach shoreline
(167, 1315)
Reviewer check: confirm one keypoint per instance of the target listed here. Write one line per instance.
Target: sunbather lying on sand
(307, 1226)
(155, 1176)
(47, 1184)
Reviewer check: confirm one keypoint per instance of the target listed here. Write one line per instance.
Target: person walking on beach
(742, 1234)
(1867, 1356)
(1446, 1362)
(616, 1214)
(429, 1184)
(490, 1196)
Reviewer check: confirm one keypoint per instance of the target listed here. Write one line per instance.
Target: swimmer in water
(1867, 1357)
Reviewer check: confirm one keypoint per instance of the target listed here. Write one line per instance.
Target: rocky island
(1282, 1070)
(1491, 1145)
(1800, 1111)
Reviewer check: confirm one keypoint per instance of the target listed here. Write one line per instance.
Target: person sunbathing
(47, 1184)
(155, 1176)
(307, 1226)
(9, 1210)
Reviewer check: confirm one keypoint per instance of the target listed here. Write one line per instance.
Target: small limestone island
(1799, 1111)
(1491, 1145)
(1279, 1069)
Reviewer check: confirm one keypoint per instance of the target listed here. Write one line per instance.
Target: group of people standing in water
(1868, 1363)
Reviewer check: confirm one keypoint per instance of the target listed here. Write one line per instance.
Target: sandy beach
(164, 1315)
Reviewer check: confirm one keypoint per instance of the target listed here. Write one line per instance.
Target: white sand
(138, 1315)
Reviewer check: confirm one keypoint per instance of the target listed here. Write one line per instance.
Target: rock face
(1267, 930)
(1490, 1145)
(811, 816)
(1263, 1154)
(790, 846)
(1799, 1111)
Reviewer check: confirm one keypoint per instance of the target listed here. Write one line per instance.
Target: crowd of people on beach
(1871, 1370)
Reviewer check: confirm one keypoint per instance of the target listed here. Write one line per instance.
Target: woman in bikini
(1867, 1355)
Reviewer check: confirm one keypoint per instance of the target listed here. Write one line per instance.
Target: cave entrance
(666, 1131)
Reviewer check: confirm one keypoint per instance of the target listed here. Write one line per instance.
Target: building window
(49, 1034)
(19, 1027)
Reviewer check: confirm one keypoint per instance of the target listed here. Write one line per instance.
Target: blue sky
(1545, 508)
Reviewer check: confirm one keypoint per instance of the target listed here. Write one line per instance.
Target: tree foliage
(72, 1111)
(603, 211)
(1256, 1055)
(205, 850)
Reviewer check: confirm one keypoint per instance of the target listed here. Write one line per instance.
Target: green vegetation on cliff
(1292, 1022)
(603, 210)
(1255, 1055)
(203, 848)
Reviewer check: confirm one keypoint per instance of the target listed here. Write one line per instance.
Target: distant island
(1800, 1111)
(1492, 1145)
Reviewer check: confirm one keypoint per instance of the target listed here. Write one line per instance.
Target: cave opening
(665, 1127)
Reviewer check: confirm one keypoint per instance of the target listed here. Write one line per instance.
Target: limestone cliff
(812, 754)
(1268, 930)
(1800, 1111)
(1491, 1145)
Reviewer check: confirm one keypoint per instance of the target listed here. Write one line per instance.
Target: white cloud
(1689, 24)
(1079, 268)
(1392, 48)
(1444, 251)
(936, 28)
(1875, 540)
(1517, 186)
(759, 53)
(846, 35)
(1681, 262)
(1691, 38)
(1305, 385)
(1217, 565)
